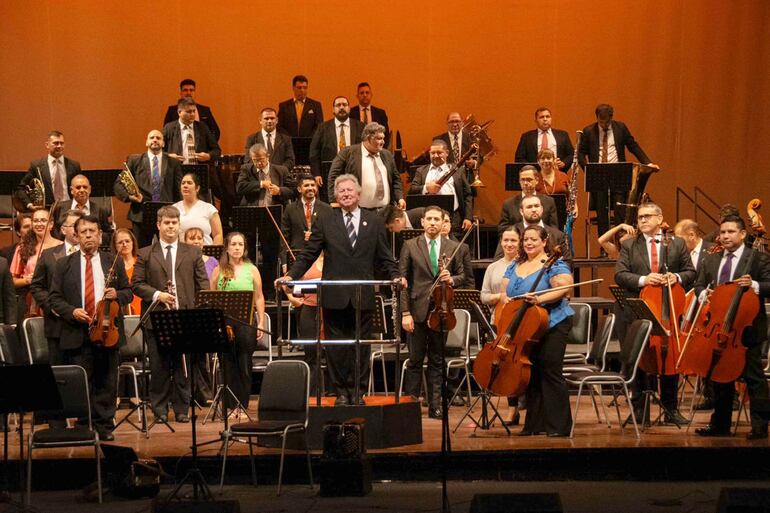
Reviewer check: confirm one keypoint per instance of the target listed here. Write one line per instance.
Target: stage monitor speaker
(744, 500)
(516, 503)
(346, 477)
(227, 506)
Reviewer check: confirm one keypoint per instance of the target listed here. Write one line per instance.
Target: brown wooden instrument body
(442, 317)
(661, 354)
(104, 328)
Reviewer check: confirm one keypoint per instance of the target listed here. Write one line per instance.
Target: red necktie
(89, 303)
(654, 255)
(544, 142)
(308, 212)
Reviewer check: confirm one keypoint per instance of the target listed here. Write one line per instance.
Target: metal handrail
(696, 206)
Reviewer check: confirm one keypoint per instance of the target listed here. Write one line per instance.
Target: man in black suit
(299, 216)
(424, 182)
(542, 137)
(355, 243)
(374, 168)
(365, 112)
(8, 301)
(511, 211)
(187, 140)
(640, 265)
(606, 141)
(55, 170)
(750, 269)
(202, 114)
(158, 177)
(279, 147)
(331, 137)
(532, 214)
(307, 110)
(262, 183)
(79, 284)
(168, 260)
(419, 264)
(80, 191)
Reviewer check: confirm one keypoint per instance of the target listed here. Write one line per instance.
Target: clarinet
(572, 197)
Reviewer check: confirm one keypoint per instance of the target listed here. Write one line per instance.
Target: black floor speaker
(744, 500)
(516, 503)
(229, 506)
(346, 477)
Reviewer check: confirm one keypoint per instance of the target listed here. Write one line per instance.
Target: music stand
(201, 171)
(301, 147)
(191, 332)
(150, 215)
(401, 237)
(620, 295)
(605, 179)
(445, 201)
(102, 181)
(213, 250)
(9, 181)
(561, 208)
(512, 170)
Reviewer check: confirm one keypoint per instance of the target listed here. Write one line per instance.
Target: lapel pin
(364, 223)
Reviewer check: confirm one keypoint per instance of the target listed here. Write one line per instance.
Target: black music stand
(401, 237)
(606, 180)
(445, 201)
(9, 181)
(561, 208)
(191, 332)
(201, 171)
(301, 147)
(213, 250)
(150, 216)
(512, 170)
(620, 295)
(102, 181)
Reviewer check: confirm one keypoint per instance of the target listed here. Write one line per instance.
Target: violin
(503, 366)
(442, 317)
(103, 329)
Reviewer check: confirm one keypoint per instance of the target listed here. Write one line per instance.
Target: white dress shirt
(434, 173)
(86, 208)
(356, 219)
(612, 151)
(184, 130)
(368, 182)
(98, 274)
(174, 246)
(695, 253)
(551, 140)
(337, 124)
(648, 245)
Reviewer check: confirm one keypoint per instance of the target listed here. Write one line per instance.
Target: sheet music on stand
(642, 311)
(102, 181)
(236, 304)
(466, 298)
(512, 170)
(150, 215)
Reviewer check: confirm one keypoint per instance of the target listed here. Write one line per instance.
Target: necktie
(269, 144)
(298, 106)
(308, 213)
(433, 258)
(379, 191)
(456, 149)
(605, 151)
(727, 270)
(59, 192)
(155, 179)
(366, 115)
(169, 263)
(89, 303)
(653, 255)
(351, 229)
(342, 136)
(544, 141)
(72, 250)
(189, 147)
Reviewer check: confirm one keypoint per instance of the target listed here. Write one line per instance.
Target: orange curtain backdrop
(688, 77)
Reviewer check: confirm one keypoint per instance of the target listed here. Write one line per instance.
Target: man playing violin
(747, 268)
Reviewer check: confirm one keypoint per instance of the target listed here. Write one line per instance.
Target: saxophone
(126, 179)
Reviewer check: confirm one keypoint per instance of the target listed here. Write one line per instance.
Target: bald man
(158, 177)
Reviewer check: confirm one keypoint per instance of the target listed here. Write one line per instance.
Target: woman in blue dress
(548, 408)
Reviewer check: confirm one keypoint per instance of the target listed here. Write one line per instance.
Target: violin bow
(454, 253)
(280, 234)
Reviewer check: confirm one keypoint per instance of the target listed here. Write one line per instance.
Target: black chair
(283, 408)
(34, 338)
(10, 349)
(132, 358)
(73, 388)
(597, 356)
(579, 336)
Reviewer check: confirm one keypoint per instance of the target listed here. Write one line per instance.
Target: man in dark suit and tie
(543, 137)
(365, 112)
(55, 170)
(299, 216)
(158, 177)
(79, 284)
(299, 116)
(187, 140)
(168, 260)
(640, 265)
(374, 168)
(279, 147)
(355, 244)
(747, 268)
(261, 182)
(203, 113)
(331, 137)
(419, 263)
(606, 141)
(80, 191)
(531, 212)
(511, 210)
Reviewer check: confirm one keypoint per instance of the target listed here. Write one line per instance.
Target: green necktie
(433, 258)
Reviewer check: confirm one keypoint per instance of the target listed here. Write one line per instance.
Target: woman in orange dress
(124, 244)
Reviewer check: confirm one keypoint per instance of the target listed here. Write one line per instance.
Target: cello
(103, 330)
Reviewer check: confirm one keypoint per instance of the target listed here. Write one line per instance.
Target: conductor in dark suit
(158, 177)
(80, 191)
(355, 243)
(419, 263)
(641, 264)
(511, 210)
(168, 260)
(365, 112)
(55, 170)
(203, 113)
(331, 137)
(187, 140)
(78, 285)
(299, 216)
(751, 269)
(374, 168)
(606, 141)
(544, 136)
(299, 116)
(279, 147)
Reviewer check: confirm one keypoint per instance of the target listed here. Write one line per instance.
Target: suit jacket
(345, 262)
(590, 144)
(65, 297)
(759, 270)
(465, 145)
(634, 262)
(71, 166)
(414, 265)
(204, 113)
(348, 161)
(60, 214)
(556, 237)
(204, 139)
(312, 117)
(377, 115)
(171, 177)
(294, 224)
(462, 190)
(250, 192)
(324, 147)
(511, 212)
(41, 286)
(7, 252)
(529, 146)
(150, 274)
(8, 301)
(283, 149)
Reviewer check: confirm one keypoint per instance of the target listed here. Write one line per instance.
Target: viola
(442, 317)
(103, 329)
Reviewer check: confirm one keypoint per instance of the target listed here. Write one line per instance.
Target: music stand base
(484, 421)
(217, 405)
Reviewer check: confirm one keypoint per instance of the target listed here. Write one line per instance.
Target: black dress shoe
(434, 413)
(705, 404)
(757, 433)
(182, 418)
(714, 431)
(106, 436)
(361, 401)
(458, 401)
(514, 420)
(675, 418)
(342, 400)
(161, 417)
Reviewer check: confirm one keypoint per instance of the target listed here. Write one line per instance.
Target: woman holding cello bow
(749, 269)
(548, 409)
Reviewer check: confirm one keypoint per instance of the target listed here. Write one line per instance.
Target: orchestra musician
(510, 213)
(280, 150)
(187, 140)
(80, 192)
(202, 112)
(55, 170)
(457, 139)
(262, 183)
(532, 215)
(551, 181)
(78, 285)
(124, 244)
(532, 142)
(299, 116)
(299, 216)
(611, 240)
(365, 112)
(196, 213)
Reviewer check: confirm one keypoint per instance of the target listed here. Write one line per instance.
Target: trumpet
(126, 179)
(35, 193)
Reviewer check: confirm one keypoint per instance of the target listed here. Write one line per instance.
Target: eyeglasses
(647, 216)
